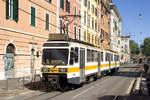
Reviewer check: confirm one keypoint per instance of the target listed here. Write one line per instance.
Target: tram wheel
(63, 87)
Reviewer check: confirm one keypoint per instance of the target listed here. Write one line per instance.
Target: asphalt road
(113, 87)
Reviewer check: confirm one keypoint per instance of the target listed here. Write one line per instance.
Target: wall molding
(25, 33)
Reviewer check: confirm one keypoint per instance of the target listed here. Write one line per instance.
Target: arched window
(10, 48)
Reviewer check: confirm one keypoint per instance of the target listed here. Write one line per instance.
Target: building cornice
(113, 7)
(25, 33)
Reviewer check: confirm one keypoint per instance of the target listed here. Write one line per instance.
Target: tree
(134, 48)
(146, 47)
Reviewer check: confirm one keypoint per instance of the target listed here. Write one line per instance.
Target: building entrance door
(9, 61)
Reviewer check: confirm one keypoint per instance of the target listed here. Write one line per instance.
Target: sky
(131, 24)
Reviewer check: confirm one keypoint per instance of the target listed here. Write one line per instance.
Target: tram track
(57, 93)
(100, 83)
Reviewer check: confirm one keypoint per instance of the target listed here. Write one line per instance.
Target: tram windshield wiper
(58, 64)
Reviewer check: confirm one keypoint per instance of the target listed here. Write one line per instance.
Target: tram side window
(72, 56)
(88, 55)
(114, 57)
(107, 56)
(101, 56)
(92, 55)
(76, 54)
(95, 56)
(111, 57)
(117, 58)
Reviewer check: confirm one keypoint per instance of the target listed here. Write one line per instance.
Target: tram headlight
(63, 70)
(45, 69)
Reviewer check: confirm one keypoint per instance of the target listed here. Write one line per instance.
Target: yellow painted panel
(73, 69)
(91, 67)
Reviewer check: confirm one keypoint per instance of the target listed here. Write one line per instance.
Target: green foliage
(134, 47)
(146, 47)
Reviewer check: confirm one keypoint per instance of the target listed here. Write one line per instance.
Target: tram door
(115, 60)
(99, 63)
(82, 65)
(109, 55)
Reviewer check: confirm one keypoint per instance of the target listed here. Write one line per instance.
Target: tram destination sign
(54, 37)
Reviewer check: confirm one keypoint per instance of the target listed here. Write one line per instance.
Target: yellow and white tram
(74, 62)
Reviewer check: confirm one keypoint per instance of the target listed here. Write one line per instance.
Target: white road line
(130, 87)
(82, 93)
(115, 97)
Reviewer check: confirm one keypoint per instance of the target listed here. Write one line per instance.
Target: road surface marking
(130, 87)
(82, 93)
(115, 98)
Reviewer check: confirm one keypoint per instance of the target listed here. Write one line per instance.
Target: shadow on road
(113, 97)
(126, 74)
(38, 86)
(130, 67)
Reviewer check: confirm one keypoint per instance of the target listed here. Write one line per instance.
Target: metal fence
(22, 78)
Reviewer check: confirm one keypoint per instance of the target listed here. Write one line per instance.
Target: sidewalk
(141, 88)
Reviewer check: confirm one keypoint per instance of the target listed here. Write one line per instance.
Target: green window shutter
(15, 10)
(69, 7)
(62, 4)
(75, 31)
(79, 33)
(49, 1)
(66, 5)
(47, 21)
(32, 16)
(7, 9)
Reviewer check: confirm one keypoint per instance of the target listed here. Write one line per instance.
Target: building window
(75, 10)
(89, 5)
(47, 21)
(98, 1)
(49, 1)
(33, 16)
(93, 23)
(85, 3)
(75, 31)
(95, 40)
(89, 20)
(93, 9)
(84, 17)
(88, 37)
(62, 4)
(80, 13)
(12, 9)
(79, 33)
(68, 6)
(84, 36)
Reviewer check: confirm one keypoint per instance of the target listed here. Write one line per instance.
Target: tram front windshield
(55, 56)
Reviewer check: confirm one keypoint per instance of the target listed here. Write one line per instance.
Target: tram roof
(65, 37)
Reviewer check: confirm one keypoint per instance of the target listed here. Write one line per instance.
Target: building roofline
(114, 7)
